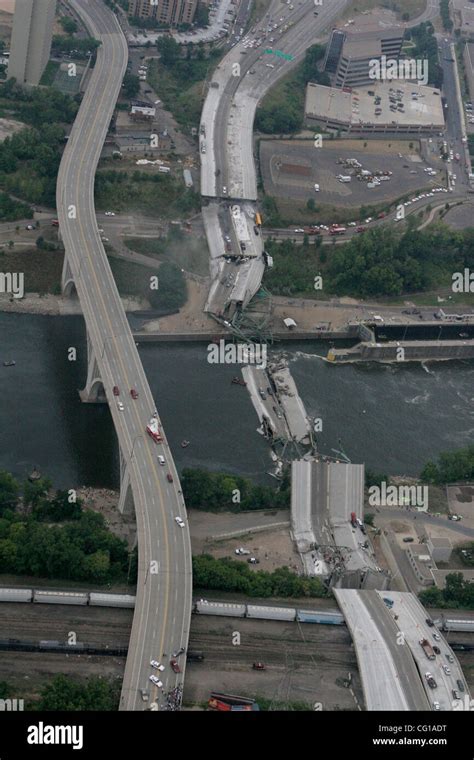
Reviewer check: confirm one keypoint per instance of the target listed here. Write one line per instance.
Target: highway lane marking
(155, 471)
(101, 295)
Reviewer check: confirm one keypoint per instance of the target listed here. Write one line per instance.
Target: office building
(348, 55)
(170, 12)
(31, 39)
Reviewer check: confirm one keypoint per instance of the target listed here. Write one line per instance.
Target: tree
(131, 85)
(8, 491)
(68, 24)
(34, 490)
(310, 204)
(169, 50)
(66, 693)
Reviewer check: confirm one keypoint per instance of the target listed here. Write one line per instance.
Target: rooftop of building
(422, 105)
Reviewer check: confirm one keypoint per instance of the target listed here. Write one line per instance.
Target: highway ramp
(163, 604)
(389, 675)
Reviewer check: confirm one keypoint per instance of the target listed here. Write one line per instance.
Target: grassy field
(156, 194)
(49, 73)
(131, 279)
(186, 251)
(412, 7)
(182, 94)
(134, 280)
(41, 269)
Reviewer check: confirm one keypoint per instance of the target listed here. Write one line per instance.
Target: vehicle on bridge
(427, 649)
(153, 430)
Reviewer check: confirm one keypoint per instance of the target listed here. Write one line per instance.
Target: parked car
(408, 539)
(258, 666)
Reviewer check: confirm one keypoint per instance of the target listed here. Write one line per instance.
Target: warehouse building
(387, 107)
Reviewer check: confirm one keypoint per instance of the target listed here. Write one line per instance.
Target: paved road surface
(162, 614)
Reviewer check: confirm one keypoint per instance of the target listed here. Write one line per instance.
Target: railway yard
(304, 663)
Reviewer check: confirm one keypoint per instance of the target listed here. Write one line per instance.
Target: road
(162, 614)
(454, 116)
(389, 676)
(411, 620)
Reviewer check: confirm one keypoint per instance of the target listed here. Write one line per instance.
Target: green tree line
(53, 537)
(282, 110)
(232, 575)
(457, 594)
(379, 262)
(220, 492)
(451, 467)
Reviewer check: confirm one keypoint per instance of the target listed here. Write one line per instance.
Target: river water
(393, 418)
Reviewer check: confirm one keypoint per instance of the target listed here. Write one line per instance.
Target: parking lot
(290, 169)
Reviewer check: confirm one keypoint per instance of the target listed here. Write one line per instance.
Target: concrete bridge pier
(125, 505)
(68, 286)
(93, 392)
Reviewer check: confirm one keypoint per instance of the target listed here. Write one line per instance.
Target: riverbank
(51, 305)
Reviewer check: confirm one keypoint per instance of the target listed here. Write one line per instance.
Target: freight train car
(16, 595)
(458, 624)
(60, 597)
(220, 608)
(270, 613)
(126, 601)
(324, 618)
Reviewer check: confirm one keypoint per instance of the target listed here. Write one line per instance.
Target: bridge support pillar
(93, 392)
(125, 505)
(67, 280)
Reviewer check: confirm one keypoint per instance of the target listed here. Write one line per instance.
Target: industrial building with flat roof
(392, 106)
(349, 56)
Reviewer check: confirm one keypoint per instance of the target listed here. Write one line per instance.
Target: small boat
(11, 363)
(34, 475)
(238, 381)
(464, 335)
(184, 444)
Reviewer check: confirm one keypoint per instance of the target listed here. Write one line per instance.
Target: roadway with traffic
(163, 607)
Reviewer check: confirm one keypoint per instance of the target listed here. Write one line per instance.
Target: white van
(161, 459)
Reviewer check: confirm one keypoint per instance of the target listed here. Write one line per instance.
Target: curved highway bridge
(163, 607)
